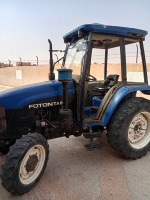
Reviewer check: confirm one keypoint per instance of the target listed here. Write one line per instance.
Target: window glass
(134, 63)
(75, 56)
(113, 65)
(97, 63)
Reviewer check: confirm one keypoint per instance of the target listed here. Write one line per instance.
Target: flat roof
(106, 29)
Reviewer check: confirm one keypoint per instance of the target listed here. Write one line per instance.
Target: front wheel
(25, 163)
(129, 128)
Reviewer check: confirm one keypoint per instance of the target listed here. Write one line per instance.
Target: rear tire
(25, 163)
(129, 128)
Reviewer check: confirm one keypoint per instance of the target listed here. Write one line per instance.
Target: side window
(134, 63)
(114, 64)
(97, 63)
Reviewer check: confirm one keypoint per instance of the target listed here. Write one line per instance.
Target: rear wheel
(25, 163)
(129, 128)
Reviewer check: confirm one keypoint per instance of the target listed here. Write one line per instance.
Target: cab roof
(105, 29)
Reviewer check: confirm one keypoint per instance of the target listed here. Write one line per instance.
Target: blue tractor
(75, 104)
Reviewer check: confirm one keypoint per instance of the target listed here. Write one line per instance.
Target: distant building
(5, 65)
(23, 64)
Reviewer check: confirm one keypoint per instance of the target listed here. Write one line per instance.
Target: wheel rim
(139, 130)
(32, 164)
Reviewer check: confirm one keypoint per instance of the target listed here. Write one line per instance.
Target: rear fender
(118, 97)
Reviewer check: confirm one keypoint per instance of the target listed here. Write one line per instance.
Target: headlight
(2, 119)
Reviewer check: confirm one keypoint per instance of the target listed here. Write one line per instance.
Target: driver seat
(109, 82)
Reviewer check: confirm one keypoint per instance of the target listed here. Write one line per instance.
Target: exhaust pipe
(51, 65)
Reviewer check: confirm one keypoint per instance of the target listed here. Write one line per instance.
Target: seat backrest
(111, 80)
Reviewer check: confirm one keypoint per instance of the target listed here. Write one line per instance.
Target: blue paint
(64, 74)
(22, 96)
(95, 123)
(88, 111)
(121, 93)
(96, 101)
(100, 28)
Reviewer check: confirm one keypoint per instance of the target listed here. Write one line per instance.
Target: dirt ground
(73, 173)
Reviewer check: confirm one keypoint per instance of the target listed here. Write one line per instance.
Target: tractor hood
(22, 96)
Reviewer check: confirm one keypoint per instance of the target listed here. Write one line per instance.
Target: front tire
(129, 128)
(25, 163)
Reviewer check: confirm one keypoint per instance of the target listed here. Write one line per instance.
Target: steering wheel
(89, 77)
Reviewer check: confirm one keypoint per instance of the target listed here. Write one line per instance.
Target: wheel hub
(136, 128)
(138, 133)
(31, 163)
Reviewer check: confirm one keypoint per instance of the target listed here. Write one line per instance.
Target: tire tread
(118, 123)
(13, 157)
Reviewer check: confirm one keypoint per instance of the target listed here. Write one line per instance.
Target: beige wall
(33, 74)
(29, 74)
(97, 70)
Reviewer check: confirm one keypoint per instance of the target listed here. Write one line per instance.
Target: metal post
(123, 61)
(105, 63)
(136, 53)
(9, 62)
(56, 57)
(86, 67)
(20, 61)
(64, 59)
(37, 60)
(143, 61)
(65, 95)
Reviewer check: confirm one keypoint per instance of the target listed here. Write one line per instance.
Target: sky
(26, 25)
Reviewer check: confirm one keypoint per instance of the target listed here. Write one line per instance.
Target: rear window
(134, 63)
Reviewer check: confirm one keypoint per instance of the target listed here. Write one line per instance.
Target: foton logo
(45, 105)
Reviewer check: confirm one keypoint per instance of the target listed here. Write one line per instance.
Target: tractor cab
(93, 96)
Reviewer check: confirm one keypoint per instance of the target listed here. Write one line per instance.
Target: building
(5, 65)
(23, 64)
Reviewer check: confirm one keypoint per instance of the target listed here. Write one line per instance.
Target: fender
(24, 95)
(120, 94)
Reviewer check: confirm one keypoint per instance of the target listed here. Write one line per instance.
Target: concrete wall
(17, 76)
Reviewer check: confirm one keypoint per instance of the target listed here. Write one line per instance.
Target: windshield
(75, 56)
